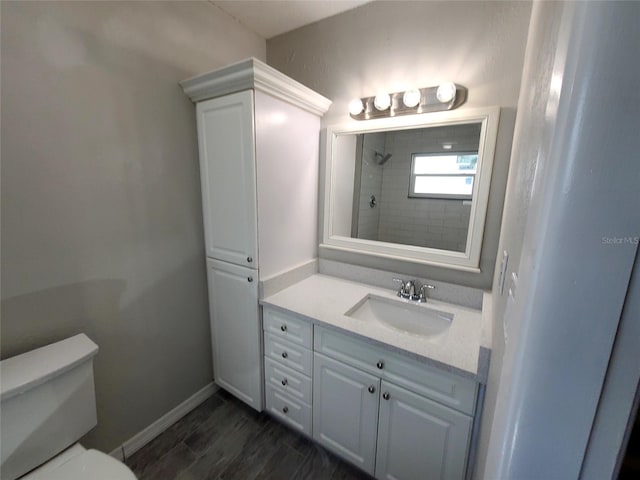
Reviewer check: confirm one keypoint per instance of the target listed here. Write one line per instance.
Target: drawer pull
(380, 364)
(285, 354)
(249, 259)
(285, 409)
(386, 395)
(283, 328)
(284, 382)
(249, 279)
(371, 389)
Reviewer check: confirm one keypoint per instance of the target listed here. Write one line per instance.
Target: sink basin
(416, 319)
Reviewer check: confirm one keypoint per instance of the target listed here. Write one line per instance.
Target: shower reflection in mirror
(421, 182)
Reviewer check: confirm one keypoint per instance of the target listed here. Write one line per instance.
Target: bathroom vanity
(393, 386)
(395, 403)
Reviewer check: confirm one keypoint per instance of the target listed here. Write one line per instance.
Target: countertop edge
(483, 354)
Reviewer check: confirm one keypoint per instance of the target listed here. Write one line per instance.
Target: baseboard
(143, 437)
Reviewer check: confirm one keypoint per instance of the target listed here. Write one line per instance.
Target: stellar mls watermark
(620, 240)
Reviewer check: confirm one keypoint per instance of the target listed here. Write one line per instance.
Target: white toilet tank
(47, 403)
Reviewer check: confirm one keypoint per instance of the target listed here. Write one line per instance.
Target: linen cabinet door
(419, 438)
(235, 331)
(345, 411)
(228, 177)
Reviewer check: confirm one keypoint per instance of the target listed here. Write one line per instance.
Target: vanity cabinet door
(235, 330)
(345, 411)
(228, 176)
(419, 438)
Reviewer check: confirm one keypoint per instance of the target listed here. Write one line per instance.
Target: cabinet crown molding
(254, 74)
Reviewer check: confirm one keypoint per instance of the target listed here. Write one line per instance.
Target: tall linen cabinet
(258, 136)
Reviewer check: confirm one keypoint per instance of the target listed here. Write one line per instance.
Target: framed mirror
(413, 188)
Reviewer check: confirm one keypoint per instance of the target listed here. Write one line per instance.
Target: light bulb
(411, 98)
(447, 146)
(446, 92)
(355, 106)
(382, 101)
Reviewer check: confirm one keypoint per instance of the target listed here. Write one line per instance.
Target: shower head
(381, 159)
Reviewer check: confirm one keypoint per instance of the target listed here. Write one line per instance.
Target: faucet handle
(402, 286)
(422, 298)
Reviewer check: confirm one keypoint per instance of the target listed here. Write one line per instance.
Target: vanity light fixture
(446, 92)
(382, 101)
(356, 107)
(446, 96)
(411, 98)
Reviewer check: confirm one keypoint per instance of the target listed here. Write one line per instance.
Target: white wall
(344, 173)
(616, 418)
(101, 208)
(536, 99)
(285, 183)
(395, 45)
(579, 240)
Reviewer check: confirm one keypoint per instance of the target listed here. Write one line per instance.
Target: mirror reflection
(412, 187)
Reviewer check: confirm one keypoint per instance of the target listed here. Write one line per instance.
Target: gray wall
(398, 218)
(370, 184)
(392, 46)
(426, 222)
(101, 210)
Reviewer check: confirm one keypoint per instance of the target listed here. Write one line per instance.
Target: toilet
(47, 404)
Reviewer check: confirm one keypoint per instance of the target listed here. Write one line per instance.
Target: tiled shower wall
(370, 184)
(425, 222)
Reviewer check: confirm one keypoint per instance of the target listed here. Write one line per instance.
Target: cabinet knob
(371, 389)
(380, 364)
(386, 395)
(285, 354)
(285, 409)
(249, 279)
(284, 382)
(283, 328)
(249, 259)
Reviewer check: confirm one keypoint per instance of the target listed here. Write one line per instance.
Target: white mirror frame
(469, 260)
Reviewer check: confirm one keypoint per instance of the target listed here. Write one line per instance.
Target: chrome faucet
(407, 290)
(402, 290)
(422, 297)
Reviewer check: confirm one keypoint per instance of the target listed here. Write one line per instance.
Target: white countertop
(463, 349)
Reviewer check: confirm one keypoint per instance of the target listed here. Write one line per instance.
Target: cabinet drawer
(290, 411)
(289, 354)
(283, 378)
(445, 387)
(288, 327)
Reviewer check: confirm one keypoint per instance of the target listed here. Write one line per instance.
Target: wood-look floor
(224, 439)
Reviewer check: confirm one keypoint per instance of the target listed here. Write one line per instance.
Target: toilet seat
(76, 463)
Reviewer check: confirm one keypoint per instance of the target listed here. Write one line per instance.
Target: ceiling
(269, 18)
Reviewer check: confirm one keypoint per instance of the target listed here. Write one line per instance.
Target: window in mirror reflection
(422, 180)
(443, 176)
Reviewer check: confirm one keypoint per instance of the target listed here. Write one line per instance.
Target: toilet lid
(89, 465)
